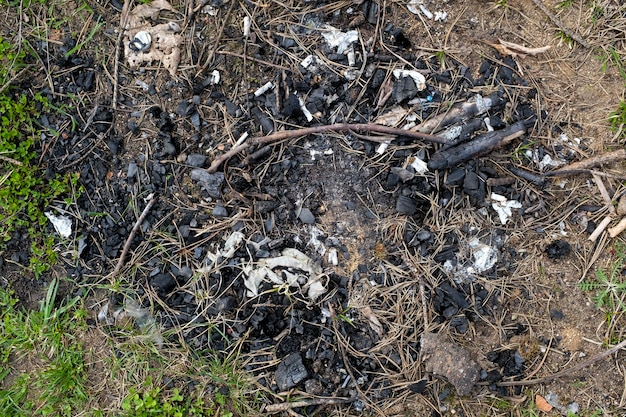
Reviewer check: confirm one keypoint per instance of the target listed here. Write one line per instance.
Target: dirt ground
(524, 317)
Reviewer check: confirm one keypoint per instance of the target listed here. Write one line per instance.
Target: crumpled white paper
(62, 224)
(295, 269)
(503, 206)
(341, 40)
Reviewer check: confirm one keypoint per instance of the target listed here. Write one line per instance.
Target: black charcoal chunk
(212, 183)
(290, 372)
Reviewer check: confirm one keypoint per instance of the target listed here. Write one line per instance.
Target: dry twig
(587, 164)
(144, 213)
(278, 408)
(559, 24)
(341, 127)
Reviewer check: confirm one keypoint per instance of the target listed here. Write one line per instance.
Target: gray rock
(290, 372)
(196, 160)
(445, 359)
(132, 170)
(220, 211)
(306, 216)
(212, 183)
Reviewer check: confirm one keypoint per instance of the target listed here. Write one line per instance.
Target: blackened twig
(340, 127)
(133, 232)
(480, 145)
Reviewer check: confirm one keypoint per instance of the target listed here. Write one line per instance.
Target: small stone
(306, 216)
(220, 211)
(196, 160)
(290, 372)
(132, 170)
(443, 358)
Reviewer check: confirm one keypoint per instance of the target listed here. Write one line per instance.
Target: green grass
(25, 192)
(42, 363)
(609, 286)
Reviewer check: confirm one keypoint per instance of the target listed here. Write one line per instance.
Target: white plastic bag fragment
(341, 40)
(485, 256)
(292, 269)
(504, 207)
(418, 79)
(62, 224)
(165, 37)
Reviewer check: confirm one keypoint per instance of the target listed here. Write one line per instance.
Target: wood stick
(604, 193)
(600, 228)
(144, 213)
(478, 146)
(118, 45)
(278, 408)
(459, 112)
(340, 127)
(567, 371)
(618, 228)
(587, 164)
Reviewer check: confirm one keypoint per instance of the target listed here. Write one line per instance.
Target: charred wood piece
(480, 145)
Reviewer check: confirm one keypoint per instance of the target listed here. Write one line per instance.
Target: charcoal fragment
(306, 216)
(406, 205)
(558, 249)
(290, 372)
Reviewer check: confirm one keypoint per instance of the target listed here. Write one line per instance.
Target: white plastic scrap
(418, 79)
(341, 40)
(230, 247)
(485, 256)
(299, 271)
(62, 224)
(503, 206)
(246, 26)
(215, 77)
(441, 16)
(304, 110)
(418, 165)
(263, 89)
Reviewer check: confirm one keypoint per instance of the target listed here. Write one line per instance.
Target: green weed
(609, 286)
(46, 340)
(25, 190)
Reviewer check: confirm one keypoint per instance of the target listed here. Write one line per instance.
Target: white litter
(246, 26)
(297, 269)
(263, 89)
(504, 207)
(485, 256)
(304, 110)
(341, 40)
(215, 77)
(441, 16)
(418, 165)
(418, 79)
(62, 224)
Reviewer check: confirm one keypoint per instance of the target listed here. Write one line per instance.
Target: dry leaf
(166, 38)
(143, 12)
(375, 324)
(542, 404)
(514, 50)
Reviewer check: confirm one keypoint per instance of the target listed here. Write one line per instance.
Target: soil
(373, 239)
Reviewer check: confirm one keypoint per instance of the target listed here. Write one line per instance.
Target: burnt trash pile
(290, 251)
